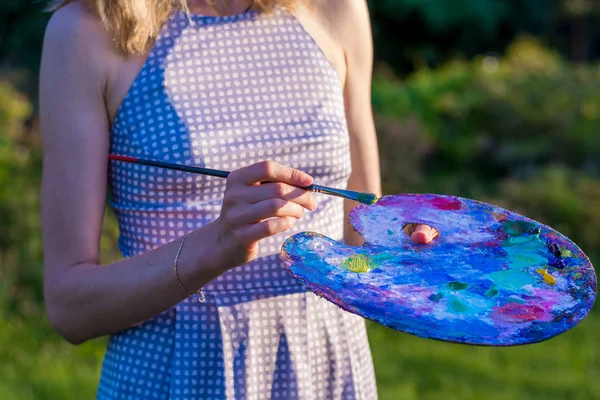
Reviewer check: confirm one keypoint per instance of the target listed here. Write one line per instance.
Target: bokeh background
(497, 100)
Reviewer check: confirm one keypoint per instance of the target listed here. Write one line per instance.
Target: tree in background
(22, 25)
(410, 34)
(579, 14)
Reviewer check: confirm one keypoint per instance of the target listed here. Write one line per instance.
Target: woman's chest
(273, 94)
(125, 71)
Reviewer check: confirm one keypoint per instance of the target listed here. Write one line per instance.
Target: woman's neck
(223, 7)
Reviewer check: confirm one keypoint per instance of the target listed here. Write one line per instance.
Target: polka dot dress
(226, 92)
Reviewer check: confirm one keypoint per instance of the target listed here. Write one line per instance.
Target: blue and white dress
(226, 92)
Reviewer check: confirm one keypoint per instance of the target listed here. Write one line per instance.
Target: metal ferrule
(347, 194)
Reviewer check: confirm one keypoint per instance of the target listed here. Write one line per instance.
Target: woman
(200, 306)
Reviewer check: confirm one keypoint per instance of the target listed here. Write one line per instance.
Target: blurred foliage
(21, 27)
(411, 34)
(20, 238)
(39, 365)
(521, 131)
(565, 199)
(35, 363)
(21, 253)
(411, 368)
(443, 15)
(504, 121)
(579, 7)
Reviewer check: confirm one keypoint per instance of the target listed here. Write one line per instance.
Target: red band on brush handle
(365, 198)
(122, 158)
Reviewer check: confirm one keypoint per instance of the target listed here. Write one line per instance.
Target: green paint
(512, 279)
(519, 240)
(457, 285)
(366, 198)
(530, 259)
(389, 231)
(383, 256)
(491, 292)
(565, 253)
(359, 263)
(457, 305)
(516, 228)
(525, 251)
(468, 302)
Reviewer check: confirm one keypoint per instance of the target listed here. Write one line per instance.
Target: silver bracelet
(202, 298)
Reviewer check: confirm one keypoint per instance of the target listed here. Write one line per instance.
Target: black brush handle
(178, 167)
(347, 194)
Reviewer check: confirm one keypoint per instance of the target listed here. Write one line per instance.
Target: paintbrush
(361, 197)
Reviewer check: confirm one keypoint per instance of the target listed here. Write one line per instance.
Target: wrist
(213, 246)
(202, 258)
(223, 252)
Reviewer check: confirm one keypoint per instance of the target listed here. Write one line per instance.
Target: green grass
(566, 367)
(37, 364)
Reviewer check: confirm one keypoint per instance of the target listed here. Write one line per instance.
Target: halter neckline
(247, 11)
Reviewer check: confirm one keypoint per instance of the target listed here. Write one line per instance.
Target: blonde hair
(135, 24)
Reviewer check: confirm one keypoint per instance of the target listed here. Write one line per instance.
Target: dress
(226, 92)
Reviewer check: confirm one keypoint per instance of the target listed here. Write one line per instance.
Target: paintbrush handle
(179, 167)
(347, 194)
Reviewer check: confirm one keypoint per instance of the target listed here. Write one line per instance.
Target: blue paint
(436, 297)
(476, 284)
(512, 279)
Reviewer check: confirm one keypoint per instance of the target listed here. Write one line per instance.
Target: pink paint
(446, 203)
(414, 288)
(518, 313)
(540, 311)
(552, 298)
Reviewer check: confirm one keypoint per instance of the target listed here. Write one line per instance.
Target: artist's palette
(492, 277)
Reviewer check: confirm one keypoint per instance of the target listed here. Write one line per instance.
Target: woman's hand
(260, 200)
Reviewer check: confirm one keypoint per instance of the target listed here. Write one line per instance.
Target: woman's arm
(83, 299)
(358, 50)
(353, 30)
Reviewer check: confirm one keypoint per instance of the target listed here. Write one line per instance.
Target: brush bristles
(366, 198)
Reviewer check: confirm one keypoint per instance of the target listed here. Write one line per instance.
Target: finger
(278, 190)
(269, 171)
(269, 208)
(270, 227)
(424, 234)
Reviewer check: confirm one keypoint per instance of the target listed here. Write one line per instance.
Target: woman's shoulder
(344, 19)
(75, 18)
(339, 6)
(341, 13)
(75, 29)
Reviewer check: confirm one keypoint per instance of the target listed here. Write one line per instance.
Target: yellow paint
(566, 252)
(548, 278)
(359, 263)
